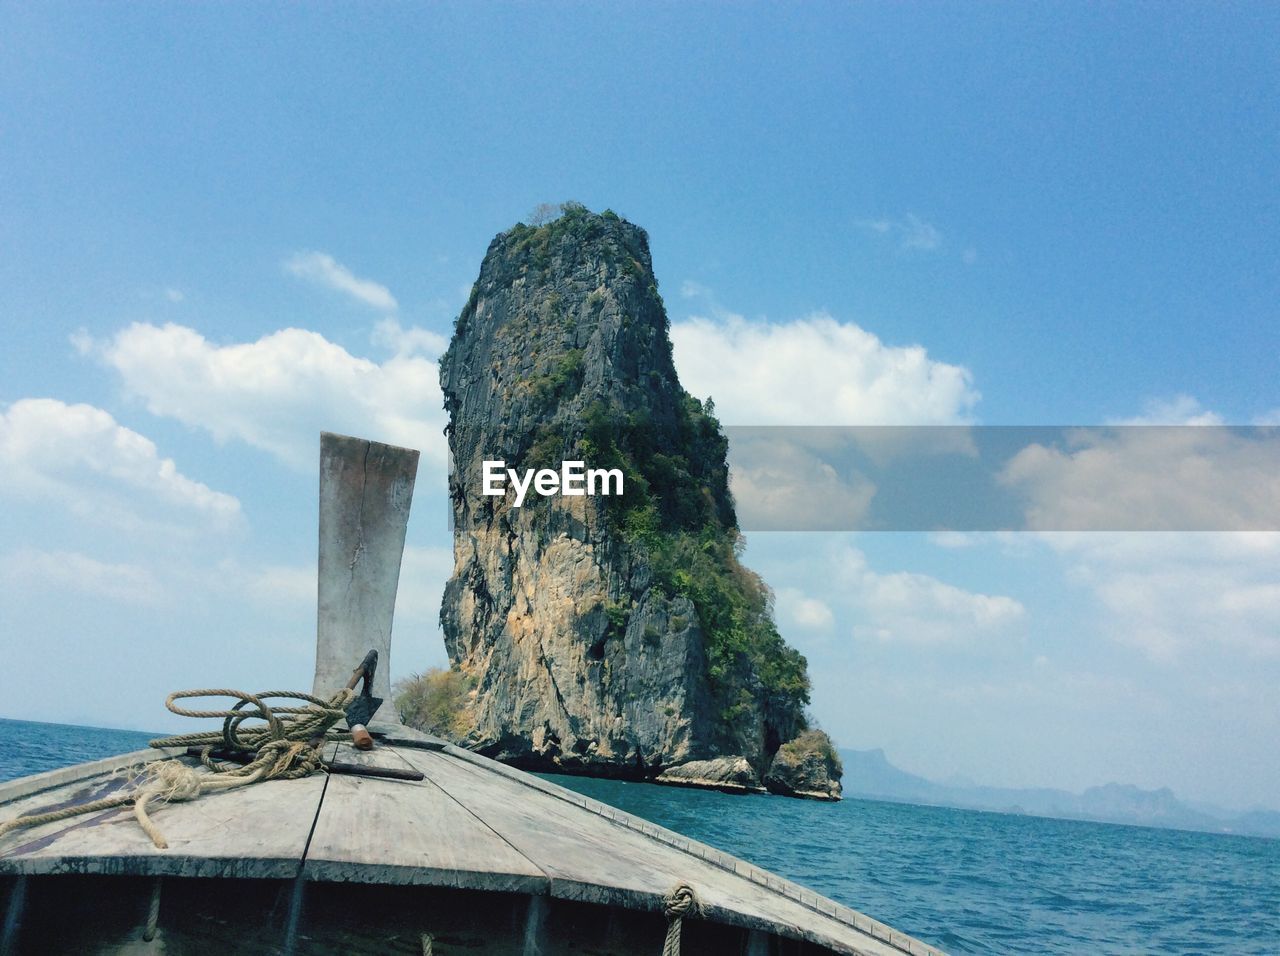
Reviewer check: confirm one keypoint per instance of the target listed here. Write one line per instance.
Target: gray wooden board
(13, 789)
(595, 859)
(410, 832)
(805, 896)
(471, 823)
(255, 831)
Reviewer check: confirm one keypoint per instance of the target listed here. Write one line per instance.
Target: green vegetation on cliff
(815, 742)
(672, 510)
(808, 766)
(654, 644)
(677, 504)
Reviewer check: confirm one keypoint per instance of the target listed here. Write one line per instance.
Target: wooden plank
(255, 831)
(408, 832)
(471, 824)
(805, 896)
(602, 859)
(365, 492)
(393, 735)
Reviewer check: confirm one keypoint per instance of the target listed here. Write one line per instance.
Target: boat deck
(470, 824)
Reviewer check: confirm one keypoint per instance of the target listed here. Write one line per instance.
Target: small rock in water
(728, 774)
(806, 767)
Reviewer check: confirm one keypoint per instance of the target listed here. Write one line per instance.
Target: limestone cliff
(606, 635)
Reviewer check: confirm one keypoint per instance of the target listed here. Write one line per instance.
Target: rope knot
(170, 781)
(679, 903)
(166, 781)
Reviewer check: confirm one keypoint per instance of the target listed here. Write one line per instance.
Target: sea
(966, 881)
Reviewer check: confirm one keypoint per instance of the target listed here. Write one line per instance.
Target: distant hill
(868, 773)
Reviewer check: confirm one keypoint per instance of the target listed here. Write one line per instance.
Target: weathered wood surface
(763, 878)
(606, 859)
(105, 916)
(365, 492)
(50, 779)
(248, 832)
(470, 823)
(409, 832)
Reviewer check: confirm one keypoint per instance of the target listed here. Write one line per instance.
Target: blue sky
(1005, 214)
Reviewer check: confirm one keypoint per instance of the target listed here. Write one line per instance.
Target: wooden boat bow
(473, 856)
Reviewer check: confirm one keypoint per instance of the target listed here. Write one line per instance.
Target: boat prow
(426, 848)
(475, 857)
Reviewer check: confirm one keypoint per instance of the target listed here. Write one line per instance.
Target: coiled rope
(286, 745)
(680, 902)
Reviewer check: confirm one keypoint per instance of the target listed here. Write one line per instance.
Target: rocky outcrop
(806, 767)
(604, 635)
(728, 774)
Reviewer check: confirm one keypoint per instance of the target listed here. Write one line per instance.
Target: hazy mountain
(868, 773)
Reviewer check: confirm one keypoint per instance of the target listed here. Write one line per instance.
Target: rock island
(610, 635)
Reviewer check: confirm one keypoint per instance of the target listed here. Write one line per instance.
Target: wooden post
(365, 492)
(533, 920)
(13, 916)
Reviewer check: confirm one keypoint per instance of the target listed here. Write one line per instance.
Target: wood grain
(407, 832)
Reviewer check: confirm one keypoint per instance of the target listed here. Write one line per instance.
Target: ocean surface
(966, 881)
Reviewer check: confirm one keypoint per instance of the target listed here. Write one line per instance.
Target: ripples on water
(966, 881)
(27, 748)
(973, 882)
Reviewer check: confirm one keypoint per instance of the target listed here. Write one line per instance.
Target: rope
(286, 746)
(680, 902)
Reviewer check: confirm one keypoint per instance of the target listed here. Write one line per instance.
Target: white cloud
(816, 371)
(1200, 597)
(778, 485)
(423, 573)
(81, 341)
(390, 335)
(1268, 419)
(70, 571)
(81, 457)
(322, 269)
(280, 392)
(1178, 410)
(1173, 594)
(277, 585)
(953, 540)
(911, 233)
(797, 608)
(1150, 479)
(174, 295)
(909, 608)
(290, 591)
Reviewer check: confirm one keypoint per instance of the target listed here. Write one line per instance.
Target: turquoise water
(966, 881)
(974, 882)
(27, 747)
